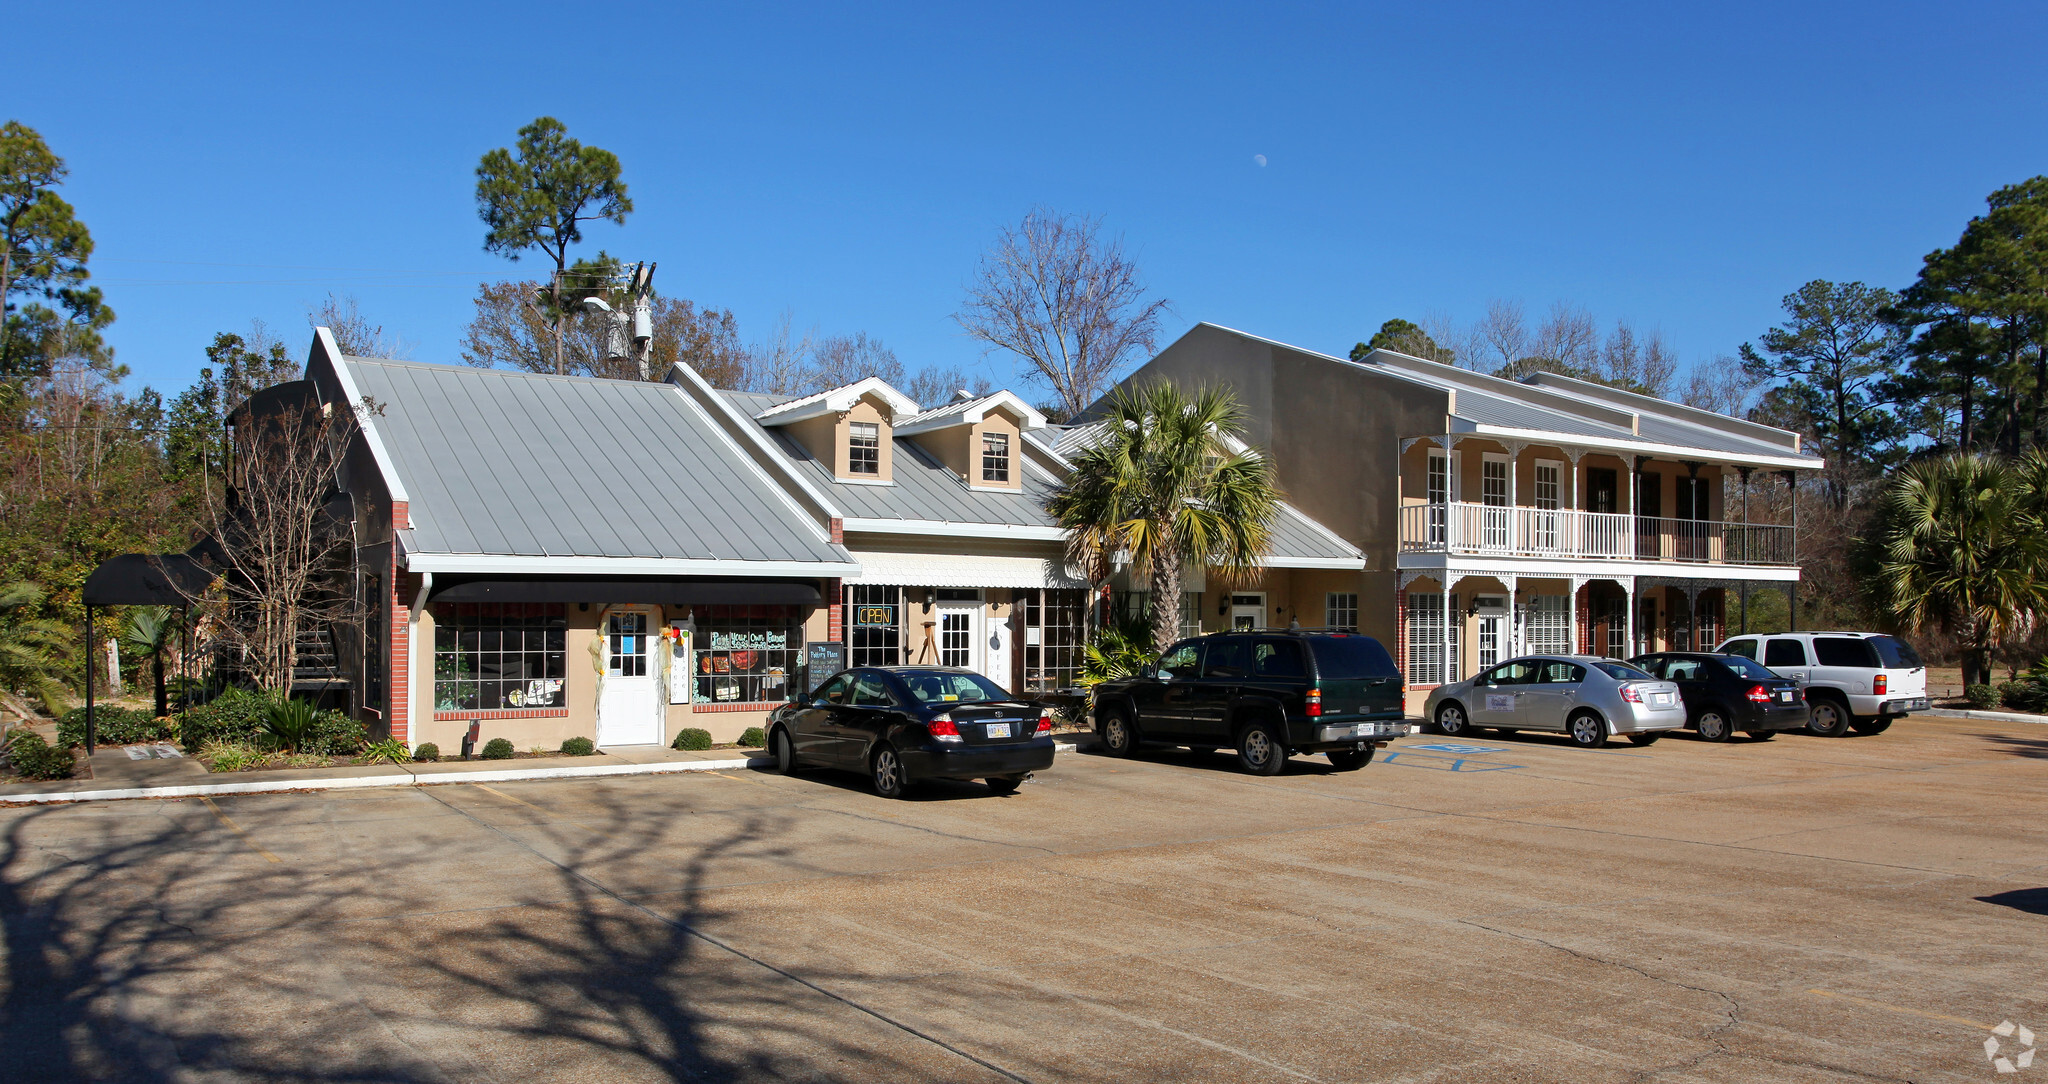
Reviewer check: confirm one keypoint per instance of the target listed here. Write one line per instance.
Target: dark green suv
(1265, 694)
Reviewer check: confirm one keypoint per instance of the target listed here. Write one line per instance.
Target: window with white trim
(1432, 644)
(1438, 489)
(863, 448)
(1340, 610)
(995, 458)
(1549, 629)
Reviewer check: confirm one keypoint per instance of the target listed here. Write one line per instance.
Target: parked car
(1268, 694)
(906, 724)
(1727, 693)
(1859, 680)
(1587, 698)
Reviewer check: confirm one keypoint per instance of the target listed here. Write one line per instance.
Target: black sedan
(1727, 693)
(905, 724)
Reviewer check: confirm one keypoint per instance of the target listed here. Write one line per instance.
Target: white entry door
(1489, 641)
(960, 635)
(629, 710)
(1248, 611)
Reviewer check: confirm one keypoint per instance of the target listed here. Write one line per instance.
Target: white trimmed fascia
(1633, 447)
(831, 510)
(1344, 563)
(946, 529)
(862, 482)
(385, 466)
(1597, 568)
(513, 564)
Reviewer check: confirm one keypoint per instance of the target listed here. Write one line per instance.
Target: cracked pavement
(1805, 909)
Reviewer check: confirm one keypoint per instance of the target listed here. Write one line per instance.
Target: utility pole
(629, 329)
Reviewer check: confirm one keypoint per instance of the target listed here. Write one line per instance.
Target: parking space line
(237, 829)
(1866, 1002)
(507, 797)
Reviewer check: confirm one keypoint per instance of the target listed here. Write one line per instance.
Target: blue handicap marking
(1444, 763)
(1461, 750)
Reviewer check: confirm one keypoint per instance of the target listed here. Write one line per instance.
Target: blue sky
(1682, 169)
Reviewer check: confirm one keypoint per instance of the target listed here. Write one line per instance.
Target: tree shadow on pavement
(2033, 901)
(2031, 748)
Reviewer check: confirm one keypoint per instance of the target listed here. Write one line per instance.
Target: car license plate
(1786, 696)
(998, 730)
(1662, 700)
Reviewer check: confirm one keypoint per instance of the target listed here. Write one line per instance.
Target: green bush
(335, 734)
(754, 738)
(498, 749)
(232, 756)
(117, 726)
(579, 747)
(427, 751)
(692, 738)
(235, 716)
(1981, 696)
(2030, 692)
(287, 723)
(390, 749)
(34, 758)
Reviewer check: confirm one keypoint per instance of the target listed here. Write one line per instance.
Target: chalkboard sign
(822, 659)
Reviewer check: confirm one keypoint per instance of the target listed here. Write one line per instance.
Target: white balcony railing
(1502, 530)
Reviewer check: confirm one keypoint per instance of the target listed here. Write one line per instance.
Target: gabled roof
(518, 472)
(971, 412)
(838, 400)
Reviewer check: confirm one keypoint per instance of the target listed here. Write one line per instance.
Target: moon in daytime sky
(1260, 159)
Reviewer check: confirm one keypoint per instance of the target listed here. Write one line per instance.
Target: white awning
(957, 570)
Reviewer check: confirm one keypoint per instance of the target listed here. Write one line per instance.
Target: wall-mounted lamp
(1223, 606)
(930, 596)
(583, 607)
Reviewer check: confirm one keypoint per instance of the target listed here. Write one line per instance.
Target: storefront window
(747, 653)
(874, 625)
(495, 656)
(1052, 637)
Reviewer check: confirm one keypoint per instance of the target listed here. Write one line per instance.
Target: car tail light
(1631, 694)
(1758, 694)
(1315, 703)
(942, 728)
(1044, 722)
(1880, 683)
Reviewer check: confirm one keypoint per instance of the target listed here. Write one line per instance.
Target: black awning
(146, 579)
(656, 590)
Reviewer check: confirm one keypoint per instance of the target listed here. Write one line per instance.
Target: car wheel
(1645, 737)
(886, 769)
(1830, 718)
(1004, 784)
(1349, 760)
(1451, 722)
(784, 752)
(1118, 738)
(1714, 726)
(1260, 750)
(1588, 730)
(1876, 725)
(1762, 735)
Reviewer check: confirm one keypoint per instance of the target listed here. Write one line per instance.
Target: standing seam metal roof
(523, 464)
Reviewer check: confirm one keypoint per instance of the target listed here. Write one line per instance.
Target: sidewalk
(118, 777)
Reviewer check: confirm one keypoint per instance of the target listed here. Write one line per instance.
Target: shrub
(231, 756)
(2030, 692)
(754, 738)
(498, 749)
(117, 726)
(579, 747)
(390, 749)
(288, 722)
(236, 716)
(335, 734)
(692, 738)
(34, 758)
(1981, 696)
(427, 751)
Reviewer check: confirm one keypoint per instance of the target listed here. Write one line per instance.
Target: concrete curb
(405, 779)
(1990, 716)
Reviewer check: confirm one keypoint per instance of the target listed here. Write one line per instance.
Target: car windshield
(947, 687)
(1749, 668)
(1621, 671)
(1896, 653)
(1340, 657)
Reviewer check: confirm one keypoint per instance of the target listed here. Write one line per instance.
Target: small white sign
(1500, 701)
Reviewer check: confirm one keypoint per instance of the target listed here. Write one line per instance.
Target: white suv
(1862, 680)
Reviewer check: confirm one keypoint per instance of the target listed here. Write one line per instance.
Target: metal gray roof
(522, 464)
(923, 489)
(1296, 535)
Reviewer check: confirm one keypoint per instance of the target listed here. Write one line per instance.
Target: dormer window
(995, 458)
(864, 448)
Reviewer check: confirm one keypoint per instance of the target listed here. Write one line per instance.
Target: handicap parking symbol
(1450, 757)
(1460, 750)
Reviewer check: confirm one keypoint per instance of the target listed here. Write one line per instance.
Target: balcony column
(1571, 614)
(1792, 588)
(1449, 667)
(1514, 494)
(1628, 614)
(1575, 541)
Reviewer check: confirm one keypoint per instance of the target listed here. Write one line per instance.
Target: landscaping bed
(275, 762)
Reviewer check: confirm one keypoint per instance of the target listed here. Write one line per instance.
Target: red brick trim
(751, 705)
(835, 619)
(398, 668)
(507, 713)
(838, 528)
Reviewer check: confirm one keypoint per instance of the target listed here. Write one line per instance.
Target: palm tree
(32, 648)
(1164, 485)
(1961, 543)
(149, 632)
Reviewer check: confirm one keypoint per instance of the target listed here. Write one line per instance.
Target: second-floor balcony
(1513, 531)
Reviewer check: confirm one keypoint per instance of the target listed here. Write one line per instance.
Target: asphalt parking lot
(1486, 910)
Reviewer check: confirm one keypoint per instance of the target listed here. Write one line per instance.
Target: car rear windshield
(1349, 657)
(1621, 671)
(941, 687)
(1896, 653)
(1844, 651)
(1748, 668)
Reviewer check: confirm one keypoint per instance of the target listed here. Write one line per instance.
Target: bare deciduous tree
(511, 331)
(1645, 365)
(781, 364)
(1568, 337)
(843, 359)
(1504, 334)
(1069, 302)
(353, 332)
(1722, 386)
(934, 387)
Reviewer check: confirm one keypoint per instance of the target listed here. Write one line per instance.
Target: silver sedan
(1583, 696)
